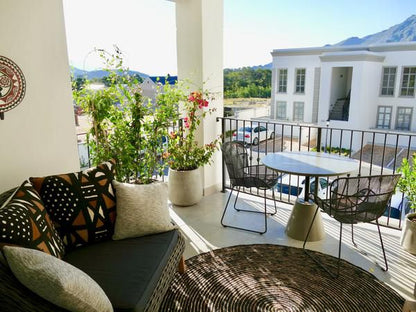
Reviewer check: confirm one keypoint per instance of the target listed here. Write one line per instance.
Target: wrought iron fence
(377, 152)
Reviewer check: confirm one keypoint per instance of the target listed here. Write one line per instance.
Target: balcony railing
(377, 152)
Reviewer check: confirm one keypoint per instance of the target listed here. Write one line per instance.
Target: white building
(355, 87)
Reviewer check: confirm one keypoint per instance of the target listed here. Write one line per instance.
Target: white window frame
(296, 109)
(384, 124)
(281, 83)
(302, 80)
(407, 87)
(398, 115)
(391, 81)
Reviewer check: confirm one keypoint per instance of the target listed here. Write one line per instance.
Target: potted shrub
(124, 126)
(185, 155)
(407, 185)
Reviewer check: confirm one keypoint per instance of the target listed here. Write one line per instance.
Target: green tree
(247, 82)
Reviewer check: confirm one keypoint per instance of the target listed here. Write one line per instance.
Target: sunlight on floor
(203, 232)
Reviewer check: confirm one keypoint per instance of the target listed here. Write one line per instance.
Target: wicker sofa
(134, 273)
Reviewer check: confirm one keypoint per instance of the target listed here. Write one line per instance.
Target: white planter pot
(408, 238)
(185, 187)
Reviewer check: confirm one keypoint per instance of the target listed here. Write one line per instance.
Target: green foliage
(78, 83)
(108, 80)
(229, 133)
(334, 150)
(407, 183)
(247, 82)
(124, 126)
(184, 152)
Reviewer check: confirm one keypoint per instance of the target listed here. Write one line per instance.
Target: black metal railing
(377, 152)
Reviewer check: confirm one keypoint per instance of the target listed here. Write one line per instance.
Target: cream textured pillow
(56, 281)
(142, 209)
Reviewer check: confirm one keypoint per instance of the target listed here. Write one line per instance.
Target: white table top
(310, 163)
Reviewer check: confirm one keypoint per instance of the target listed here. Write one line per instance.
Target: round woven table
(274, 278)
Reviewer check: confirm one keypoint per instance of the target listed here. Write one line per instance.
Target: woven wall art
(12, 85)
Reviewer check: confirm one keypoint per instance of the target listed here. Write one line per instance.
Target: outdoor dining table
(308, 164)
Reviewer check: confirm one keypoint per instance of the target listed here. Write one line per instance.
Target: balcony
(46, 150)
(376, 151)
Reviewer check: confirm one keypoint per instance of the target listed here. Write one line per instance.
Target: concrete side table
(300, 220)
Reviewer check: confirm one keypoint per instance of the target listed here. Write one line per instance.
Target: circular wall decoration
(12, 85)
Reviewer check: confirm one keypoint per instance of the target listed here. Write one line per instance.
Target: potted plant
(185, 155)
(407, 185)
(125, 126)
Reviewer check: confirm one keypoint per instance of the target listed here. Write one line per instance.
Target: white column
(200, 60)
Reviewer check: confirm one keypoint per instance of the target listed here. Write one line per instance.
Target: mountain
(265, 66)
(98, 74)
(403, 32)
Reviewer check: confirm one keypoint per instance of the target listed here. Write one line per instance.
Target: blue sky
(145, 29)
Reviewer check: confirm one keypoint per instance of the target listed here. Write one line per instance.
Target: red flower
(195, 97)
(186, 122)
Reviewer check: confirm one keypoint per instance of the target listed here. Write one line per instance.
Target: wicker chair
(357, 199)
(243, 175)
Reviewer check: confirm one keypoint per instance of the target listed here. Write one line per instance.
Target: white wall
(397, 59)
(364, 88)
(149, 89)
(38, 136)
(251, 113)
(291, 63)
(364, 91)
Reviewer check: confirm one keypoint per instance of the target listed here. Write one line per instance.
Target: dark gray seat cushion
(128, 270)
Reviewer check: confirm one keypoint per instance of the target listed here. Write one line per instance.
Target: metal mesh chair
(357, 199)
(241, 174)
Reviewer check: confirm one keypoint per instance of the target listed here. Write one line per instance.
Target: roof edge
(396, 46)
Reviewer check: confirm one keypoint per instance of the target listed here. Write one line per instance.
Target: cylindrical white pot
(408, 238)
(185, 187)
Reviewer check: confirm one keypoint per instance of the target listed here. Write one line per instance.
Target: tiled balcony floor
(203, 232)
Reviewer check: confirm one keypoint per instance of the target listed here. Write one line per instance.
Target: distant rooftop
(170, 79)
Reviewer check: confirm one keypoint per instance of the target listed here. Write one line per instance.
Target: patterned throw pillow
(82, 205)
(24, 221)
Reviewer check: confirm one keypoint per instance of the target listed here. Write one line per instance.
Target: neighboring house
(149, 85)
(356, 87)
